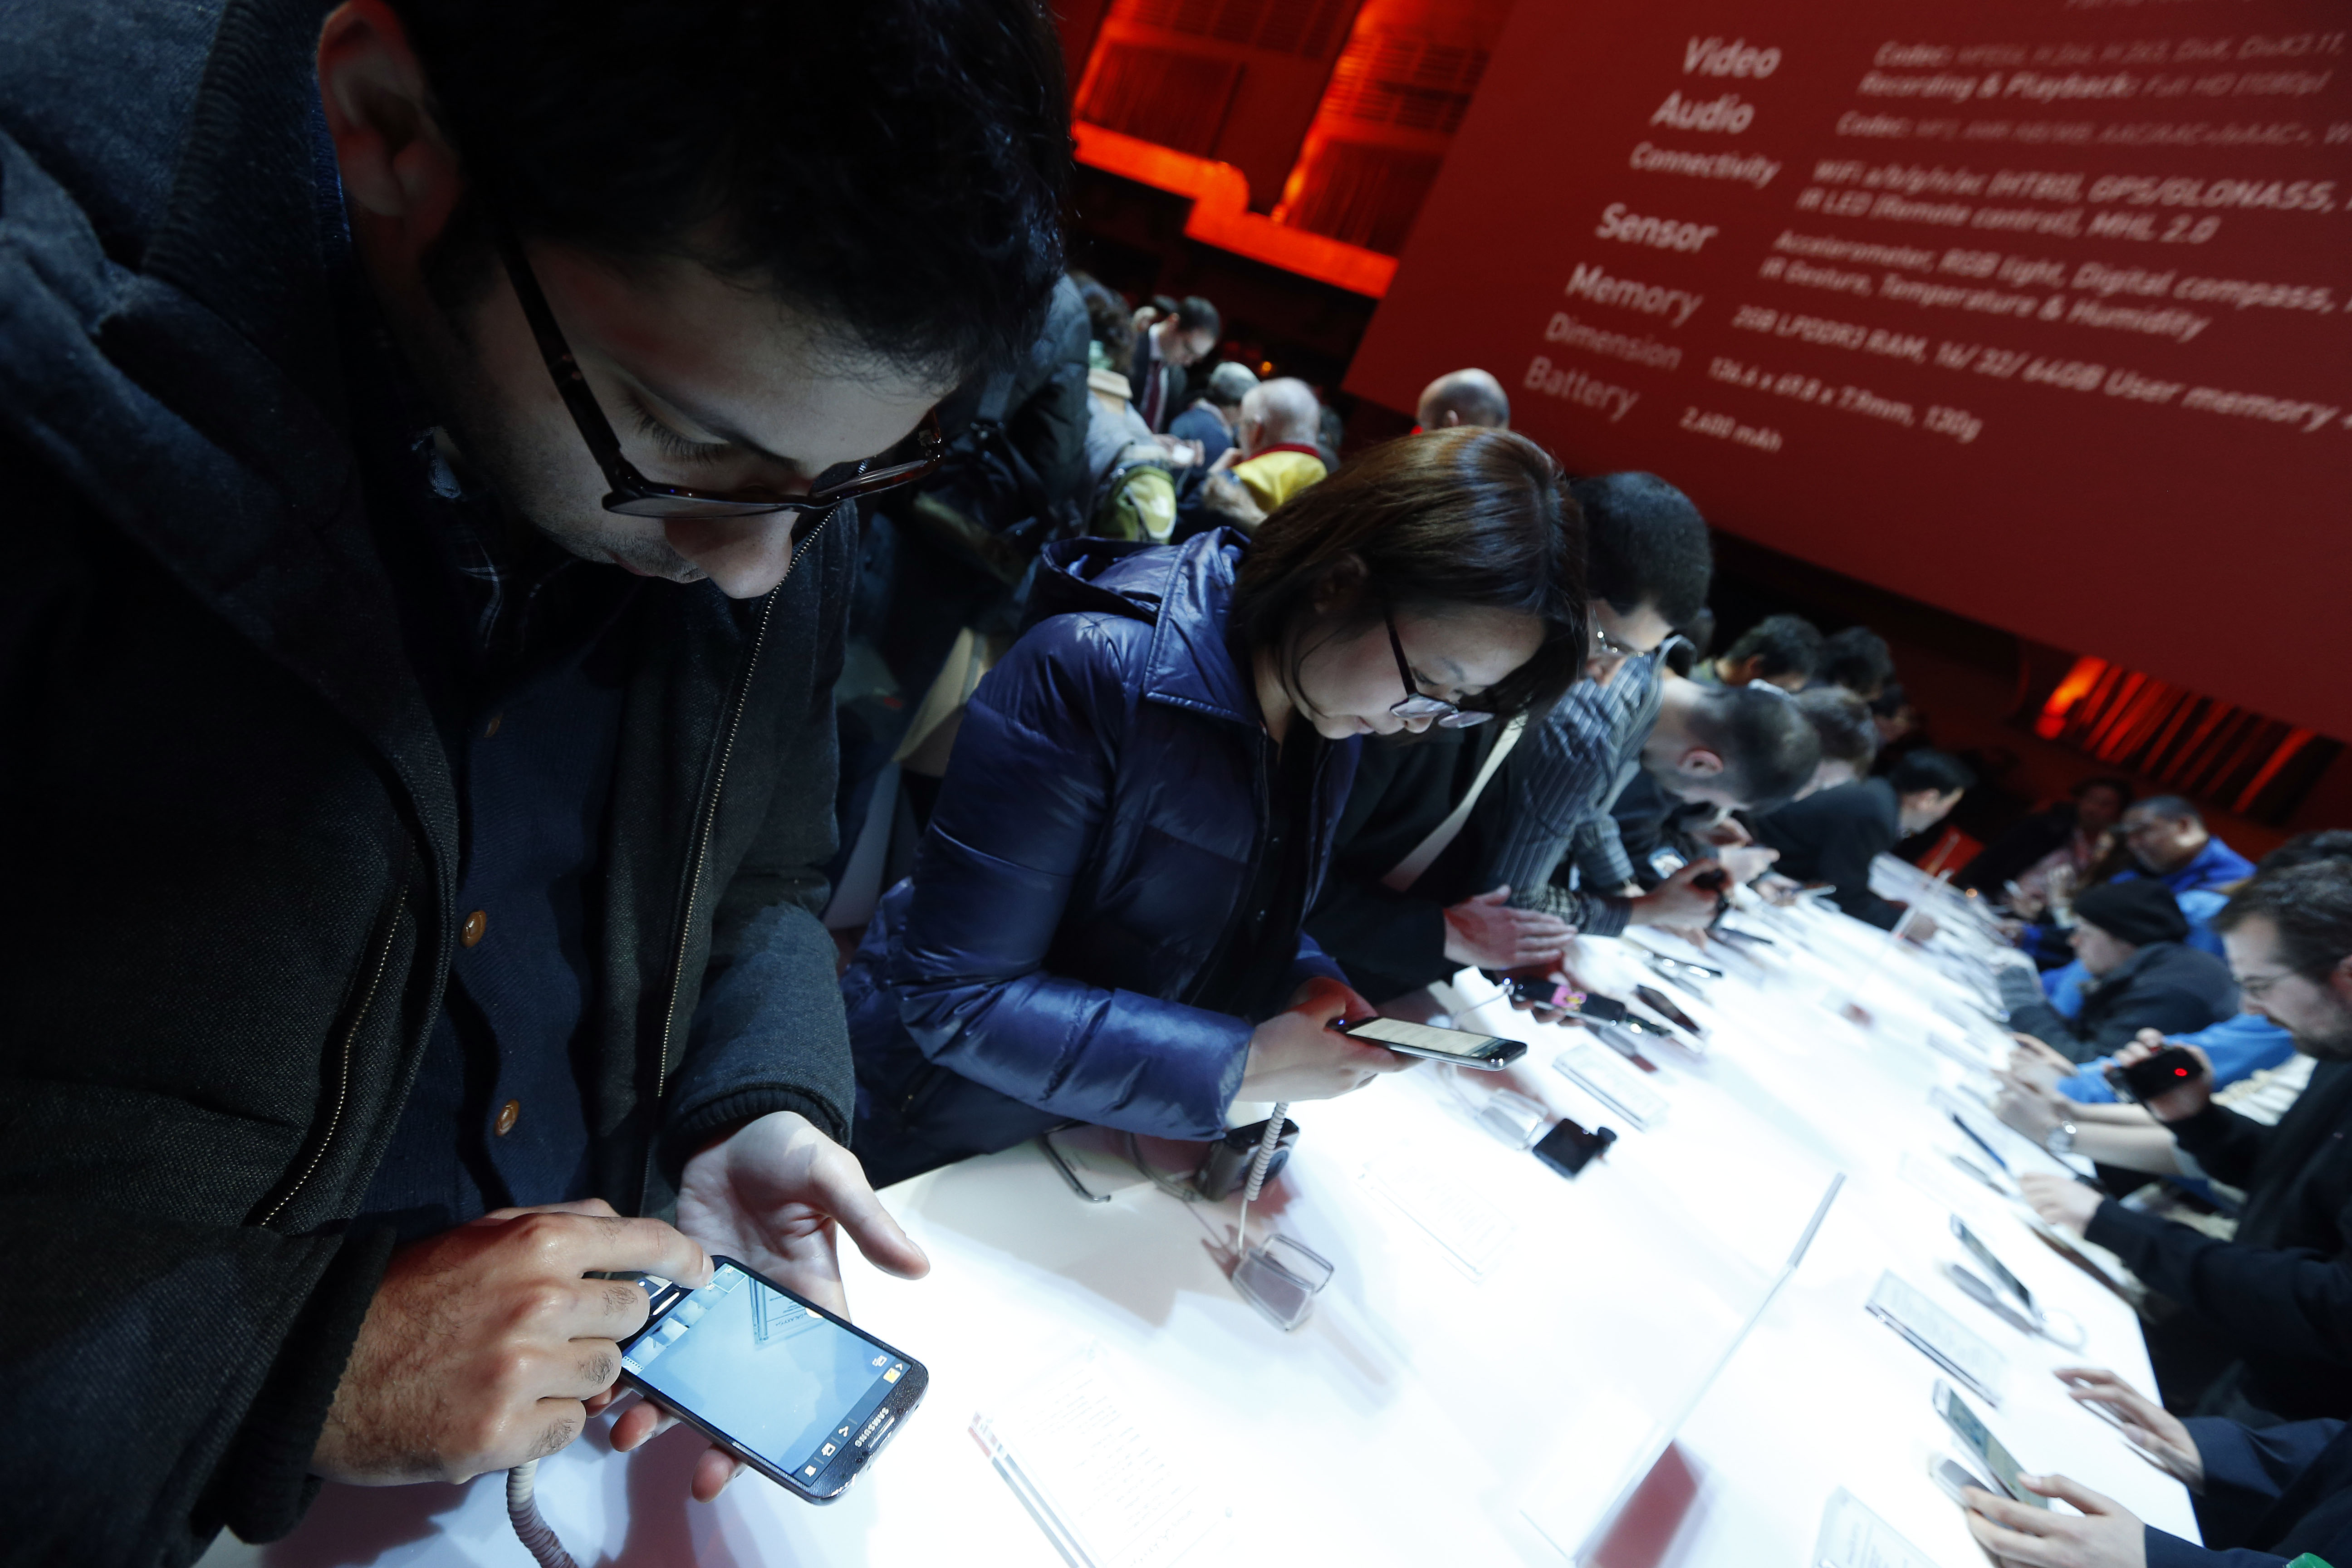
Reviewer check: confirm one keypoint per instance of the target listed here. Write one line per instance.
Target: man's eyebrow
(716, 425)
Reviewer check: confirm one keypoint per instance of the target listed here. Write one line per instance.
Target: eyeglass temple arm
(556, 352)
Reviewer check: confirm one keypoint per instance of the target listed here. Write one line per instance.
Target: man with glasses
(439, 437)
(2279, 1294)
(1648, 568)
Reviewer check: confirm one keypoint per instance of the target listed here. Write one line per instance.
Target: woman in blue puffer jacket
(1104, 920)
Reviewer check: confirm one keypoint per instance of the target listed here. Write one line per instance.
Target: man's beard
(2333, 1044)
(444, 359)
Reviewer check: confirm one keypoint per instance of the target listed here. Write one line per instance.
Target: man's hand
(2039, 1064)
(1745, 864)
(2174, 1104)
(2158, 1433)
(2106, 1535)
(1726, 832)
(2029, 1108)
(770, 1196)
(1296, 1054)
(1779, 890)
(1222, 497)
(2060, 1200)
(485, 1345)
(1487, 932)
(1675, 902)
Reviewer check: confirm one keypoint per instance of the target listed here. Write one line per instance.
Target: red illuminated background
(1301, 162)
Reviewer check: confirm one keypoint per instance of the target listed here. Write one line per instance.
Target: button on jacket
(1101, 820)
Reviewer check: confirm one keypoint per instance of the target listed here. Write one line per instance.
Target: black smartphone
(1570, 1147)
(1993, 1266)
(1488, 1053)
(1658, 1002)
(2167, 1069)
(795, 1392)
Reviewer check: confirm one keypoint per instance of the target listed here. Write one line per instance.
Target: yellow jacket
(1276, 474)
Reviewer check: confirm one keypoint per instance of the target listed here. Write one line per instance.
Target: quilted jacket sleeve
(1017, 822)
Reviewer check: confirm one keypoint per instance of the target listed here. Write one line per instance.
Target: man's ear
(1698, 762)
(2339, 979)
(395, 164)
(1750, 668)
(1453, 417)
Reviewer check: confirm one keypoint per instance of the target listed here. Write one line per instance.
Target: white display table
(1499, 1359)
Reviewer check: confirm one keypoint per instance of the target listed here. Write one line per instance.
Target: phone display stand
(1509, 1115)
(1281, 1278)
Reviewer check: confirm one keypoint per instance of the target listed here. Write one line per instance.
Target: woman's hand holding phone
(2153, 1429)
(2105, 1534)
(1296, 1054)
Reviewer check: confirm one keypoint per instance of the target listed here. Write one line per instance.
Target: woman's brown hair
(1447, 519)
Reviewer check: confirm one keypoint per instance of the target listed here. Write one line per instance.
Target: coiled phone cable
(1265, 1157)
(522, 1511)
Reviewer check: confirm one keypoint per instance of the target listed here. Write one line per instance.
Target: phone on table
(1955, 1477)
(1487, 1053)
(795, 1392)
(1993, 1266)
(1658, 1002)
(1969, 1428)
(2167, 1069)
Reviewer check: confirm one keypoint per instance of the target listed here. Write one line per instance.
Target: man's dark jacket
(2168, 986)
(1832, 837)
(1390, 942)
(2280, 1293)
(233, 832)
(2270, 1496)
(1100, 827)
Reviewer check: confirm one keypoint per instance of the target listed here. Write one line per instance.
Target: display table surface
(1502, 1357)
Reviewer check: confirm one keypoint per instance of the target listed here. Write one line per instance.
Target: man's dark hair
(2309, 850)
(1927, 770)
(1648, 545)
(1841, 724)
(1788, 645)
(2170, 808)
(1891, 700)
(2122, 787)
(894, 168)
(1768, 747)
(1434, 522)
(2311, 905)
(1194, 314)
(1858, 659)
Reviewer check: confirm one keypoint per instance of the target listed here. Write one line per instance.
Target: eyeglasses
(1449, 716)
(2256, 987)
(633, 495)
(1606, 647)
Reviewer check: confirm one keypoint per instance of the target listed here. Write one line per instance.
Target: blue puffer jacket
(1098, 828)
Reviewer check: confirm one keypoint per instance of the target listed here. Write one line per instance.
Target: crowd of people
(592, 651)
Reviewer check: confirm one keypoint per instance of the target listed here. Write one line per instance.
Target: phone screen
(1444, 1044)
(771, 1374)
(1985, 1447)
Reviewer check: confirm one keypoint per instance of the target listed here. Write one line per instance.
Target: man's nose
(745, 556)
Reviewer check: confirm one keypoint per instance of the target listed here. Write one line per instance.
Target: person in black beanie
(2130, 936)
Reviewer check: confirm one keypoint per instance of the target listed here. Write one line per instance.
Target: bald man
(1465, 397)
(1274, 455)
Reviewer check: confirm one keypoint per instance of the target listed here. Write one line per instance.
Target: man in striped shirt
(1648, 571)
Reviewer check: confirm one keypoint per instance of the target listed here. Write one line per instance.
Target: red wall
(2050, 472)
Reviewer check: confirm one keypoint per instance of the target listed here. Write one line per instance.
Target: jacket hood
(1184, 590)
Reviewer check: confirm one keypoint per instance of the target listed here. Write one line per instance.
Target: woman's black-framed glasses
(1449, 716)
(633, 495)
